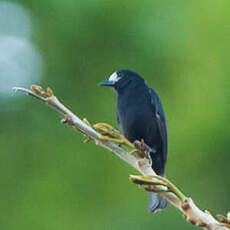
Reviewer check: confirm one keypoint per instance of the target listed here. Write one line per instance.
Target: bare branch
(106, 136)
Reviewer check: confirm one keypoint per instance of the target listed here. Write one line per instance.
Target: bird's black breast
(137, 118)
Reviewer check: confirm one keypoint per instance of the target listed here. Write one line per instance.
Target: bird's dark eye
(119, 74)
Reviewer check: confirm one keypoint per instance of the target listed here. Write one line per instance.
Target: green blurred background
(49, 178)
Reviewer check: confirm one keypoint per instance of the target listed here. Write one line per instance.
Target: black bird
(141, 116)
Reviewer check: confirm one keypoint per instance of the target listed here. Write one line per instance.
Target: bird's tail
(156, 202)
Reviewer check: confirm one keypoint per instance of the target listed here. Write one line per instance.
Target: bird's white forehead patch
(114, 77)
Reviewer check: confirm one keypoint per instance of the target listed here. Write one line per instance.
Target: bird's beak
(107, 83)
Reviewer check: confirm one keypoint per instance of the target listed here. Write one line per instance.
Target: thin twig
(28, 92)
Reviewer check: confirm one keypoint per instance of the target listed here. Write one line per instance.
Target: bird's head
(122, 79)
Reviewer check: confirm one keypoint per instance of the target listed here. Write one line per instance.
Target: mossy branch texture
(108, 137)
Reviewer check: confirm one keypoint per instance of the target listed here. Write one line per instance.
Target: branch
(107, 137)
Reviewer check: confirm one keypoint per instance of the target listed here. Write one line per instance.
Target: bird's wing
(118, 120)
(161, 121)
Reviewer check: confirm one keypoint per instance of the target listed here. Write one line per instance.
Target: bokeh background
(49, 179)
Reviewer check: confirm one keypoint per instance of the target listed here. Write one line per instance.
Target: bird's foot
(109, 133)
(144, 150)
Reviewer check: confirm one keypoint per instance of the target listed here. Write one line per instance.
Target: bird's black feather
(161, 121)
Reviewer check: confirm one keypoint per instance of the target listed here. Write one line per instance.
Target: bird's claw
(144, 149)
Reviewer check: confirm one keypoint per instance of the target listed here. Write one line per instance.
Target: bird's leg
(144, 149)
(109, 133)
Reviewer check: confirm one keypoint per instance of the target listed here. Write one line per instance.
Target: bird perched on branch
(141, 117)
